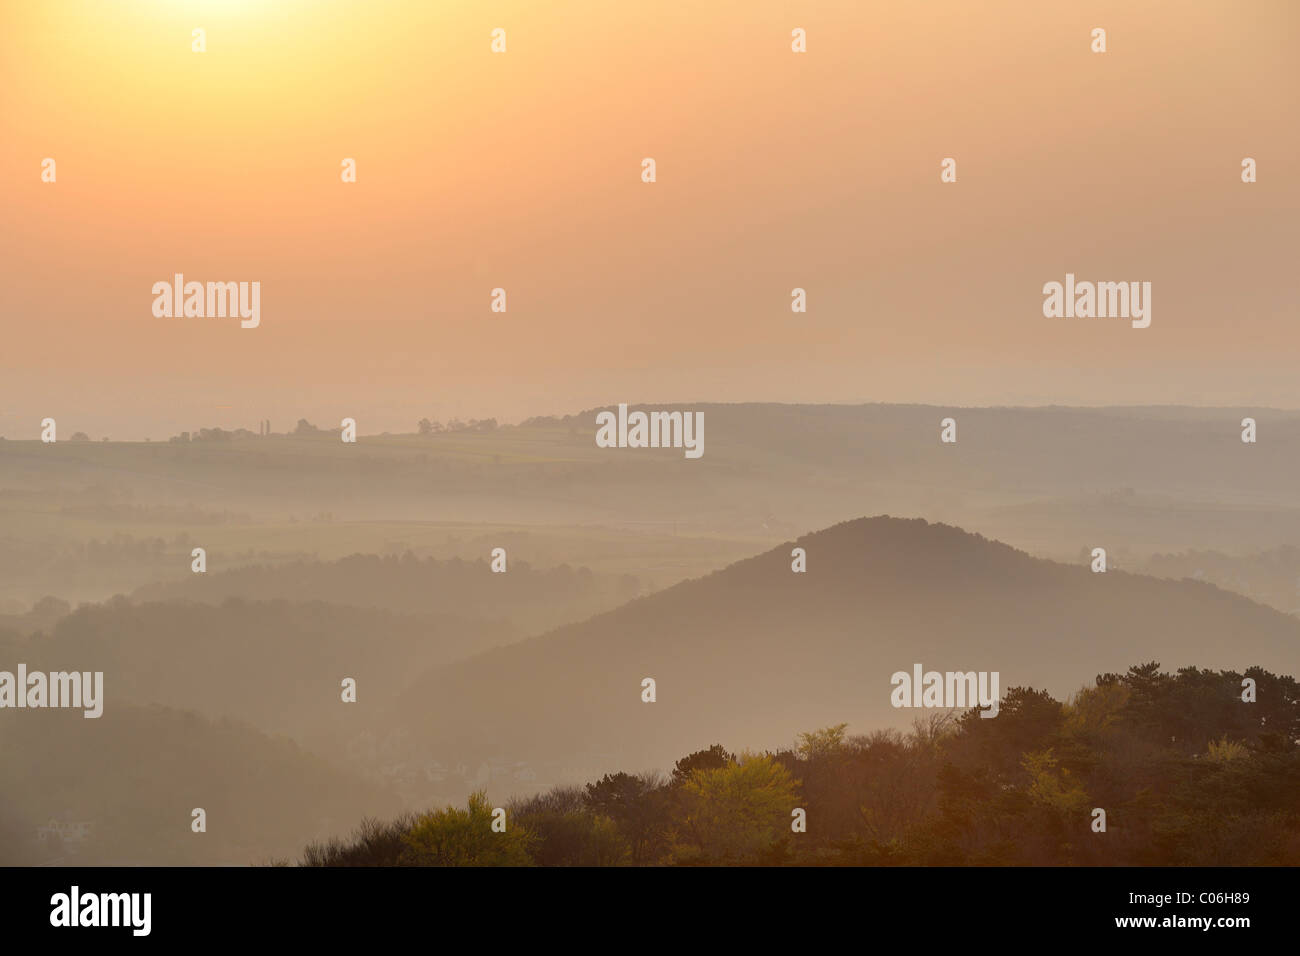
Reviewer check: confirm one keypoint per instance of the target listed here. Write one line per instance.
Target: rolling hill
(749, 652)
(135, 774)
(277, 665)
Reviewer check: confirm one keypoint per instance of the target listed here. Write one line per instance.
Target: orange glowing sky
(522, 170)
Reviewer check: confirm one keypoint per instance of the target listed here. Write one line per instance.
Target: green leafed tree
(826, 742)
(455, 837)
(738, 813)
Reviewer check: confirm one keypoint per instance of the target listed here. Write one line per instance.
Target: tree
(1053, 787)
(374, 843)
(634, 802)
(567, 833)
(715, 758)
(454, 837)
(738, 813)
(825, 742)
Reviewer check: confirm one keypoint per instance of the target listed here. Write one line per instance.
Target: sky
(522, 170)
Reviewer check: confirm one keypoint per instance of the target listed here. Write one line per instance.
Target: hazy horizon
(521, 171)
(288, 423)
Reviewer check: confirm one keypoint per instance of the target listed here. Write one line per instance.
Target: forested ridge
(1186, 769)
